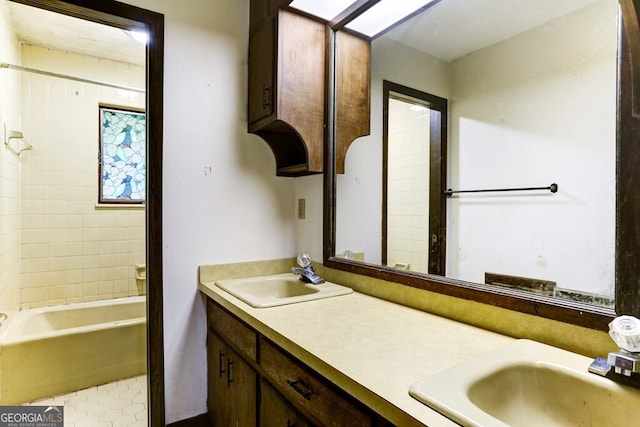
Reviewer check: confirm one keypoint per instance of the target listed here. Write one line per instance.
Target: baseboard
(198, 421)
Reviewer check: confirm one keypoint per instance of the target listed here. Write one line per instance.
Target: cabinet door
(216, 378)
(261, 71)
(232, 397)
(274, 412)
(353, 92)
(242, 382)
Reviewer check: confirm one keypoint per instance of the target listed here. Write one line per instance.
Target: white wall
(527, 120)
(240, 211)
(309, 237)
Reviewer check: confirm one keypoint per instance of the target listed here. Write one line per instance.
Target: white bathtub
(53, 350)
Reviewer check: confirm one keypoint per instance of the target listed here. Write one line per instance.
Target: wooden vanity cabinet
(269, 387)
(233, 390)
(232, 398)
(286, 94)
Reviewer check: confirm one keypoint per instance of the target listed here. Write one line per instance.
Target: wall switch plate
(301, 208)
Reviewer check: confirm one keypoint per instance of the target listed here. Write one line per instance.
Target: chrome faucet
(624, 362)
(622, 365)
(306, 271)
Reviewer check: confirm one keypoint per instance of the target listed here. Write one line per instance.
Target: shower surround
(72, 248)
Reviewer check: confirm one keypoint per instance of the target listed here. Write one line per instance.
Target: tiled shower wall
(9, 171)
(72, 249)
(408, 187)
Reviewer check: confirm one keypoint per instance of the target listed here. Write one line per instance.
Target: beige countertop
(371, 348)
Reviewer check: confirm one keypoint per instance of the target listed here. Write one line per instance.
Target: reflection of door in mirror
(413, 215)
(531, 89)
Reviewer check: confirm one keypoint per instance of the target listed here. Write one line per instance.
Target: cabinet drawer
(309, 391)
(232, 331)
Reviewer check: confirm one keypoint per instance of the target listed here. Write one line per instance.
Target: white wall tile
(60, 179)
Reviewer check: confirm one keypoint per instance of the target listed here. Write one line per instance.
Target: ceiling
(53, 30)
(448, 30)
(453, 28)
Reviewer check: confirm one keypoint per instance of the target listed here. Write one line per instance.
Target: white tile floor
(117, 404)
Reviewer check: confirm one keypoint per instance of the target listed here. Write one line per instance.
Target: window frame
(125, 109)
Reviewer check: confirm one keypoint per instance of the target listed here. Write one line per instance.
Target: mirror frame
(125, 16)
(627, 246)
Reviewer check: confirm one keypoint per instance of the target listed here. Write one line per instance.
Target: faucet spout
(624, 362)
(307, 275)
(603, 367)
(623, 365)
(306, 271)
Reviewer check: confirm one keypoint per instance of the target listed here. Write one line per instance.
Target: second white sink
(279, 289)
(527, 384)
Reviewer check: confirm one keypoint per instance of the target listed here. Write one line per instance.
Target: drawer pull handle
(220, 356)
(300, 389)
(229, 379)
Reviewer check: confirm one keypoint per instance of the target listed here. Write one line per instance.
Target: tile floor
(117, 404)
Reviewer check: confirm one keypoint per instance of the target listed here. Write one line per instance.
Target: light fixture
(418, 108)
(384, 14)
(141, 36)
(325, 9)
(372, 22)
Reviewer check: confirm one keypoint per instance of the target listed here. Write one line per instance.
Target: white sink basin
(279, 289)
(527, 383)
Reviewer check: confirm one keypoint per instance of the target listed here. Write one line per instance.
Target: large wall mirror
(534, 101)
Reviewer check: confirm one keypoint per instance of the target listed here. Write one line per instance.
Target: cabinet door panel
(232, 396)
(353, 92)
(301, 80)
(217, 394)
(274, 412)
(261, 71)
(243, 386)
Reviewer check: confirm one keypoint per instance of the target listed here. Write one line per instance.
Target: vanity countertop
(371, 348)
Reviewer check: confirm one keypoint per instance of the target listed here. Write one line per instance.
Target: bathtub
(53, 350)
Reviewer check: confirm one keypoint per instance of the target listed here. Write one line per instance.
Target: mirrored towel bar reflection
(553, 188)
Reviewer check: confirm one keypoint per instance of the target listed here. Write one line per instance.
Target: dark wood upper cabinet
(287, 86)
(353, 92)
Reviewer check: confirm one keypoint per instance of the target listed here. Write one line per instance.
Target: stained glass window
(122, 155)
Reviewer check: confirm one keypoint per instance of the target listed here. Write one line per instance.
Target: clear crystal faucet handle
(304, 260)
